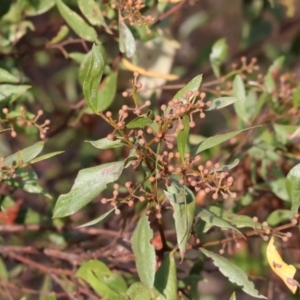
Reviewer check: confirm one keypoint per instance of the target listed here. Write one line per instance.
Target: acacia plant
(160, 199)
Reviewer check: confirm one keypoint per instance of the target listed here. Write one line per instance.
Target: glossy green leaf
(10, 93)
(107, 91)
(216, 140)
(166, 278)
(144, 251)
(138, 291)
(77, 57)
(126, 40)
(62, 33)
(88, 185)
(26, 155)
(221, 102)
(105, 143)
(80, 27)
(182, 137)
(293, 187)
(93, 77)
(193, 85)
(99, 219)
(273, 70)
(92, 13)
(37, 7)
(184, 216)
(45, 156)
(6, 77)
(139, 122)
(234, 273)
(278, 216)
(296, 97)
(233, 296)
(218, 55)
(239, 92)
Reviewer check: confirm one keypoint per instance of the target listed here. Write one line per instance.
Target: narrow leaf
(88, 185)
(234, 273)
(26, 155)
(126, 40)
(296, 97)
(93, 14)
(221, 102)
(218, 55)
(105, 143)
(239, 92)
(225, 168)
(45, 156)
(99, 219)
(139, 122)
(293, 187)
(175, 193)
(93, 78)
(6, 77)
(192, 86)
(233, 296)
(144, 251)
(184, 216)
(182, 137)
(273, 70)
(107, 92)
(216, 140)
(166, 278)
(80, 27)
(62, 33)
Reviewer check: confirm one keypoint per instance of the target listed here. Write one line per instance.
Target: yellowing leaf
(284, 271)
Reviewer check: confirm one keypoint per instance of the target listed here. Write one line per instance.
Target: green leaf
(126, 40)
(216, 140)
(3, 271)
(77, 57)
(99, 219)
(166, 278)
(89, 184)
(282, 132)
(184, 216)
(208, 216)
(26, 155)
(138, 291)
(93, 78)
(218, 55)
(278, 216)
(93, 14)
(239, 92)
(99, 277)
(182, 137)
(62, 33)
(296, 97)
(273, 70)
(221, 102)
(144, 251)
(38, 7)
(293, 187)
(225, 168)
(45, 156)
(233, 296)
(139, 122)
(80, 27)
(176, 192)
(9, 92)
(6, 77)
(234, 273)
(105, 143)
(192, 86)
(107, 91)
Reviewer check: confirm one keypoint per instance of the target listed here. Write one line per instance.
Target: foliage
(155, 171)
